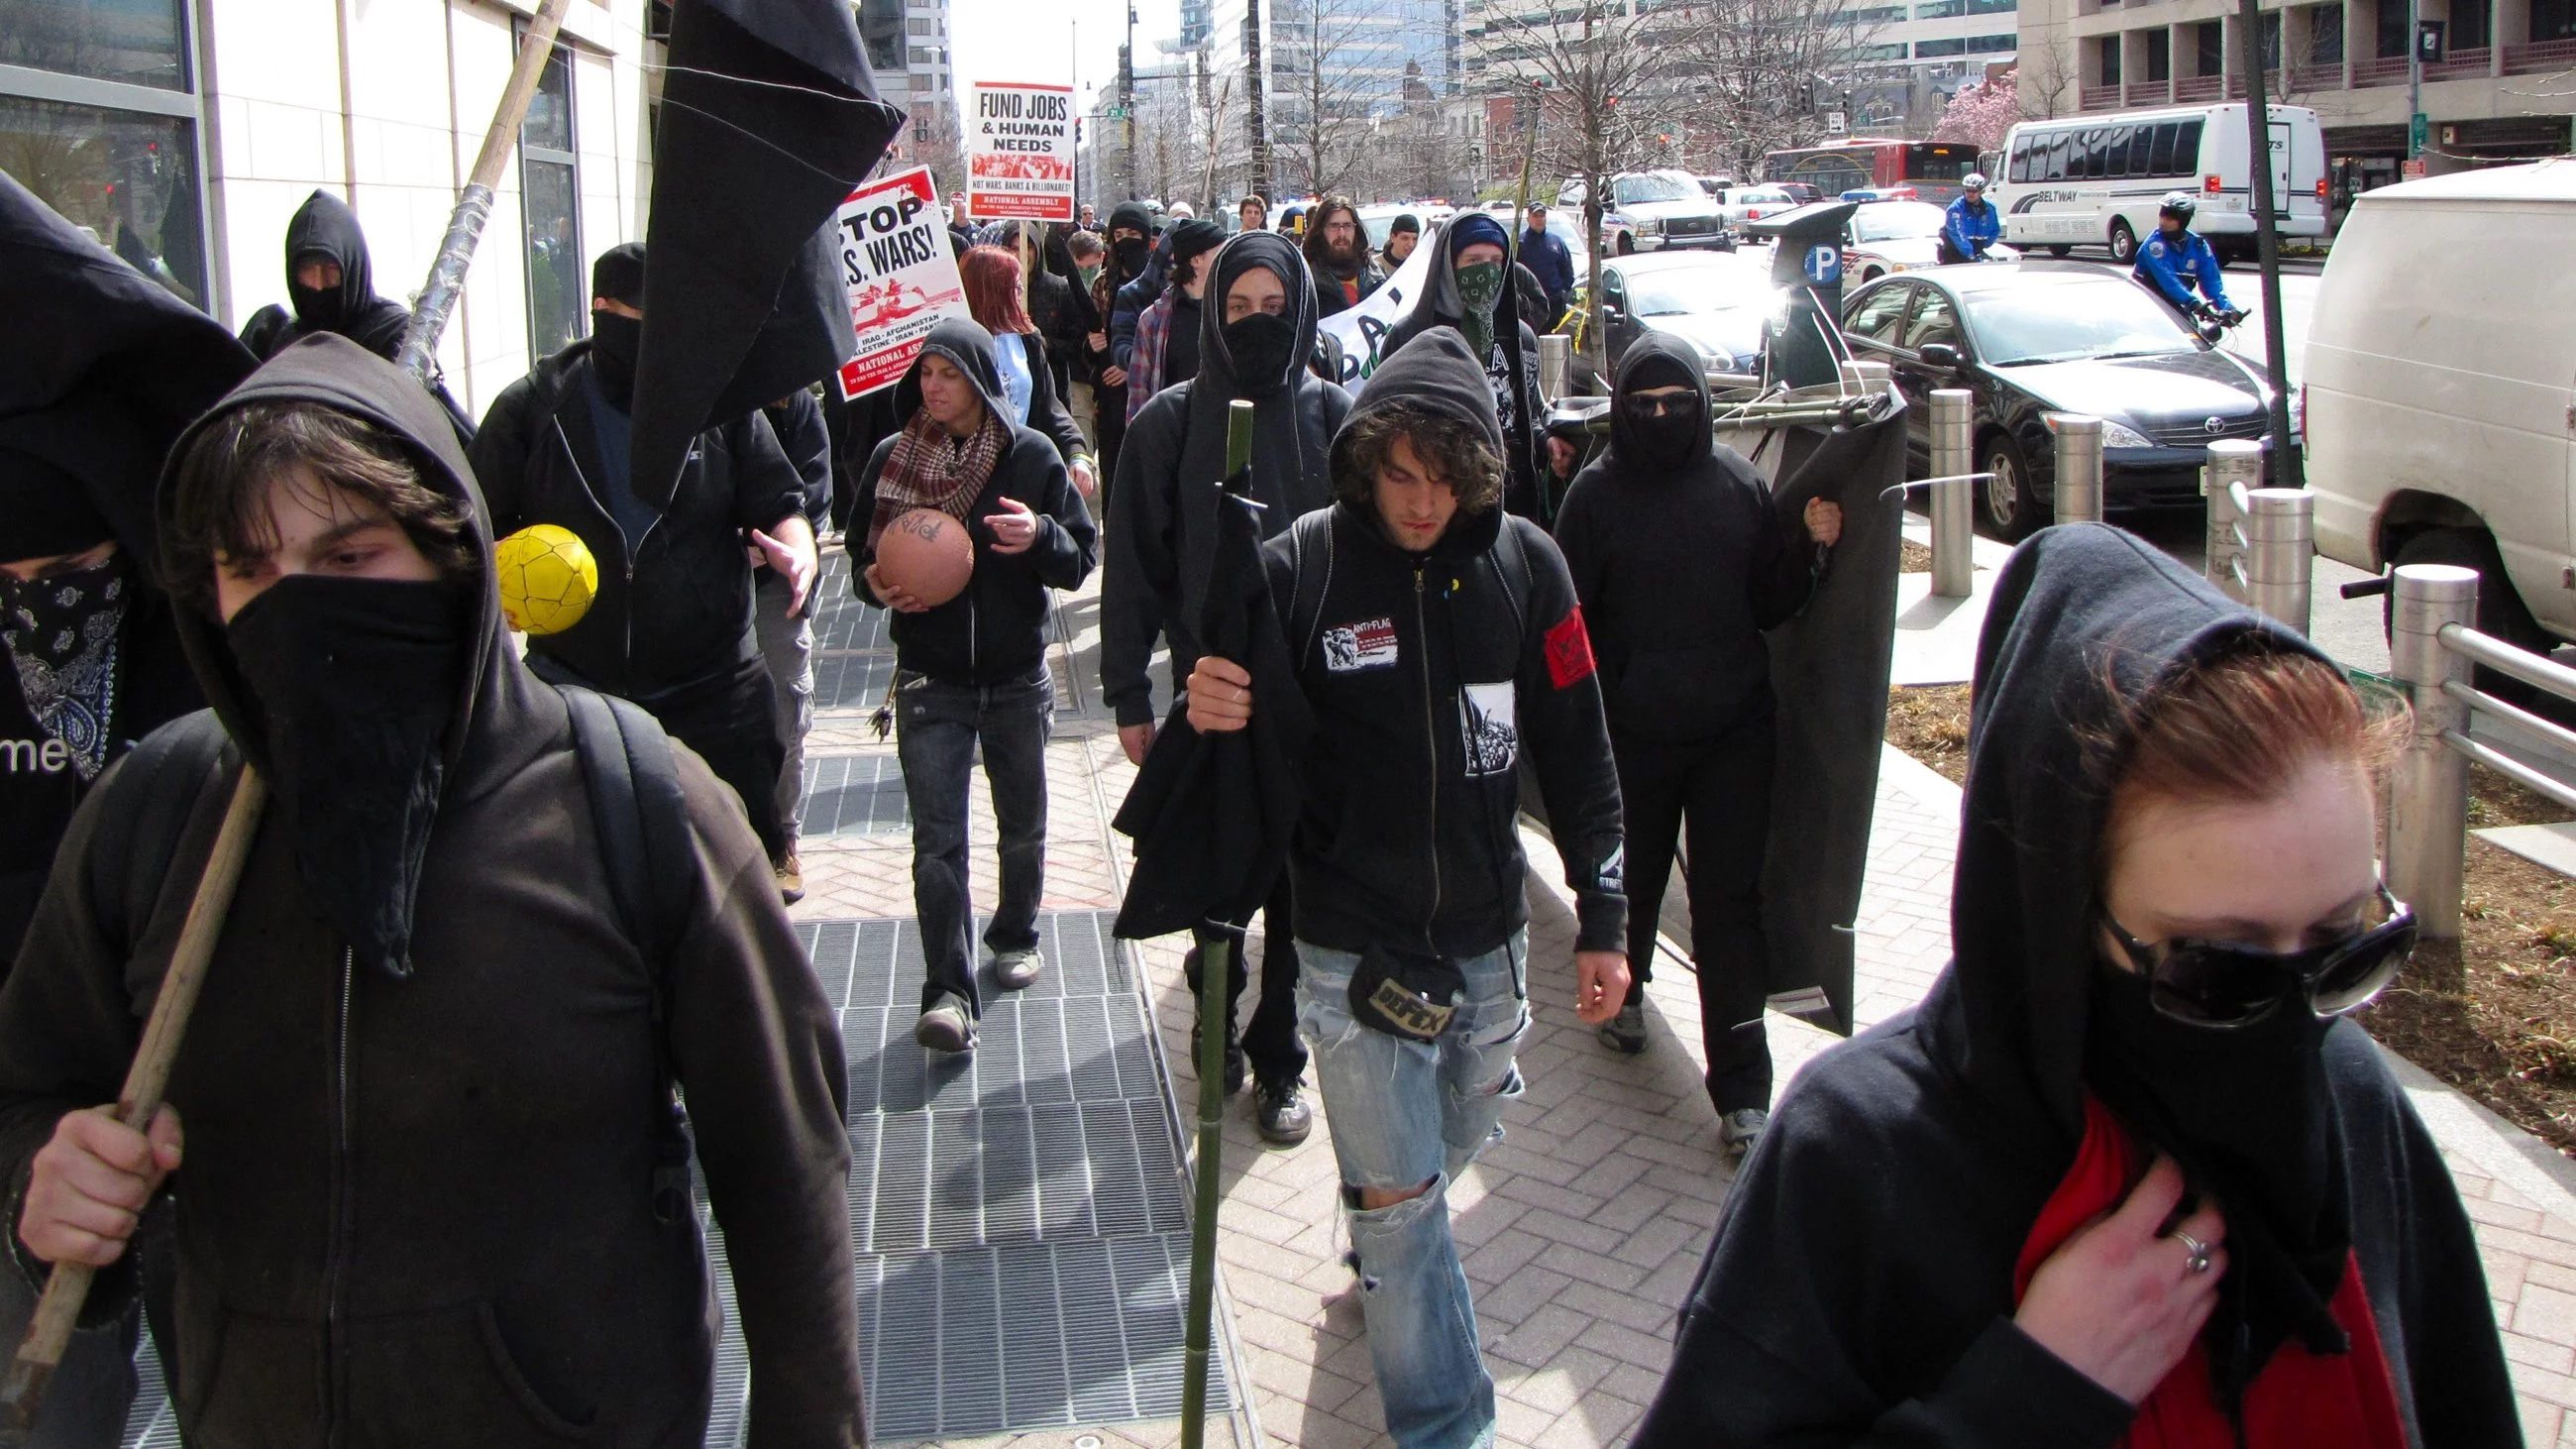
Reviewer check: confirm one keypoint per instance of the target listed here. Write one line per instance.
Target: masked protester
(1471, 289)
(1337, 252)
(331, 280)
(671, 626)
(1431, 636)
(1128, 250)
(970, 673)
(1146, 266)
(1682, 563)
(430, 1054)
(1162, 543)
(1167, 335)
(2125, 1176)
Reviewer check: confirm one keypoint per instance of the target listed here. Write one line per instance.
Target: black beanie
(1407, 222)
(619, 274)
(1196, 235)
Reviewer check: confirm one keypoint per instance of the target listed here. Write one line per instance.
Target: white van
(2441, 388)
(2085, 180)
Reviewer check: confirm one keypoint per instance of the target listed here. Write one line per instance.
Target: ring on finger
(2198, 1262)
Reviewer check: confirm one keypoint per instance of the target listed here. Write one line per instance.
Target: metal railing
(2433, 649)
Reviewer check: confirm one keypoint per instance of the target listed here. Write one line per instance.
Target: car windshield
(2070, 321)
(1629, 190)
(1896, 221)
(1717, 287)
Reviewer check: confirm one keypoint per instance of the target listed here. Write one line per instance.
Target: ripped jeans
(1404, 1115)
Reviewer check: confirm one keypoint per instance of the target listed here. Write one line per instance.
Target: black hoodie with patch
(1171, 471)
(995, 631)
(1860, 1287)
(1427, 673)
(419, 1208)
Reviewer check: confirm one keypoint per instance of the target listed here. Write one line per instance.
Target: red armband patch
(1569, 651)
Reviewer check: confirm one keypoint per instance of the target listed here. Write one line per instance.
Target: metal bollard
(1555, 366)
(2234, 465)
(1954, 560)
(2428, 795)
(2281, 552)
(2079, 467)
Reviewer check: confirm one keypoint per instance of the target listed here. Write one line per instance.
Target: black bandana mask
(1259, 345)
(2248, 1115)
(614, 343)
(1667, 440)
(353, 683)
(1131, 252)
(61, 633)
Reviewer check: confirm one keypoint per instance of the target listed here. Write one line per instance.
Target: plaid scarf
(928, 468)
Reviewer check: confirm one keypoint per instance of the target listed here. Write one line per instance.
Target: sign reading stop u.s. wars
(902, 277)
(1019, 152)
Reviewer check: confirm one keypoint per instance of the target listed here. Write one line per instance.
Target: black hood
(966, 344)
(1241, 254)
(100, 367)
(324, 226)
(1655, 359)
(2076, 612)
(1436, 370)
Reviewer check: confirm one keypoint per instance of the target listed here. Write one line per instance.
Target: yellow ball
(547, 578)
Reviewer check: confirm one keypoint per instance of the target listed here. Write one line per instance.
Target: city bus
(1931, 168)
(2096, 179)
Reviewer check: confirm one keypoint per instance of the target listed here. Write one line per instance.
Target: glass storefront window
(558, 301)
(131, 42)
(127, 178)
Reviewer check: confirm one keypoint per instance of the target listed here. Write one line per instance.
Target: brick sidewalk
(1582, 1231)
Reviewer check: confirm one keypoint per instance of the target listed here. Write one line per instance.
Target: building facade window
(2392, 39)
(2470, 29)
(2110, 47)
(1992, 44)
(2325, 35)
(2209, 48)
(2159, 55)
(1929, 49)
(2271, 40)
(101, 120)
(550, 197)
(2553, 19)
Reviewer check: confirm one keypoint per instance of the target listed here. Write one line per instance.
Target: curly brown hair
(1454, 451)
(220, 511)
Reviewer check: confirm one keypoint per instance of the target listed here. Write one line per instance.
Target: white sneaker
(1738, 1130)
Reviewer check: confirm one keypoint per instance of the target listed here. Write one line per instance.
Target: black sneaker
(1626, 1032)
(1282, 1112)
(948, 1026)
(1236, 1066)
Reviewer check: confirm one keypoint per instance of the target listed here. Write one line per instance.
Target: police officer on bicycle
(2177, 259)
(1972, 226)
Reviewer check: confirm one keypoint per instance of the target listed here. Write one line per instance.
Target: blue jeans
(937, 727)
(1406, 1115)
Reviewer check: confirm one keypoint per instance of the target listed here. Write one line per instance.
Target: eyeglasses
(2224, 986)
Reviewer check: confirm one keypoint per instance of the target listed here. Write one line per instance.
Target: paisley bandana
(61, 633)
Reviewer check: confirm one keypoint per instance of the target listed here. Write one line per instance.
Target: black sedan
(2035, 338)
(1717, 302)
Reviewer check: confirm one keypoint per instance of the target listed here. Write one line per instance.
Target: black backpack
(637, 806)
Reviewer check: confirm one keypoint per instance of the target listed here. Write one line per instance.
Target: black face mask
(1261, 346)
(353, 683)
(1130, 252)
(1673, 438)
(317, 308)
(2249, 1116)
(614, 342)
(61, 633)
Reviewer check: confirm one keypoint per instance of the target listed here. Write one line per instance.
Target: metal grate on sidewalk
(854, 795)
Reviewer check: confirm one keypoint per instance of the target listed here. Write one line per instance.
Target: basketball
(547, 578)
(927, 554)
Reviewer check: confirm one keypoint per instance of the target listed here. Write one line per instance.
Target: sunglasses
(2223, 986)
(1659, 405)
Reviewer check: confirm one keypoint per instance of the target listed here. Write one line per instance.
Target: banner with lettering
(902, 276)
(1019, 152)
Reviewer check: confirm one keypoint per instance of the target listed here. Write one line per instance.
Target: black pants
(1722, 789)
(1270, 1042)
(730, 719)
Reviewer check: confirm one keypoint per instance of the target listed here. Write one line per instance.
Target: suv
(1651, 211)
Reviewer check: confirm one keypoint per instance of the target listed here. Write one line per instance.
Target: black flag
(770, 118)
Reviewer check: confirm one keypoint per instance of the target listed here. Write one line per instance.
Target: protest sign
(901, 274)
(1019, 152)
(1362, 329)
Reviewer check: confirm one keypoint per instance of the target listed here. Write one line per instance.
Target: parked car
(2035, 338)
(2441, 421)
(1655, 210)
(1719, 304)
(1715, 186)
(1898, 236)
(1752, 203)
(1801, 192)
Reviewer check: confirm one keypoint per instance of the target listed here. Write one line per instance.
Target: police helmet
(2180, 205)
(1974, 181)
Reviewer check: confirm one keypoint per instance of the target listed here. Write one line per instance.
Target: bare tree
(2049, 74)
(1330, 56)
(1752, 70)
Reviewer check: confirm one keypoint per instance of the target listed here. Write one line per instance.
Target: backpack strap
(641, 816)
(1310, 551)
(1511, 560)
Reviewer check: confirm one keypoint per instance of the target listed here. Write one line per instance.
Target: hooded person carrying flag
(422, 1121)
(1255, 334)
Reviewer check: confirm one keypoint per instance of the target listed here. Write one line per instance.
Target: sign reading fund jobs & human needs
(1019, 152)
(902, 276)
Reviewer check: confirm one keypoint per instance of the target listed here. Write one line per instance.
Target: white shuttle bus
(2095, 179)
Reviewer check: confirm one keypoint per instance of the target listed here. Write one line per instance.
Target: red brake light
(2321, 188)
(2209, 184)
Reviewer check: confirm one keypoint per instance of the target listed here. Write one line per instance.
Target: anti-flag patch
(1569, 651)
(1368, 644)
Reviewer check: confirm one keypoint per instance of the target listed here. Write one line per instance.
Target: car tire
(2061, 250)
(1872, 275)
(2006, 501)
(1627, 245)
(2501, 612)
(2124, 242)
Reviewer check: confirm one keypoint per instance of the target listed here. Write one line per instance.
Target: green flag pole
(1214, 966)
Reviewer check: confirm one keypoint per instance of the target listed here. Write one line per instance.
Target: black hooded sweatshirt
(1860, 1287)
(325, 227)
(1439, 305)
(995, 631)
(1681, 569)
(419, 1209)
(1163, 504)
(1427, 673)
